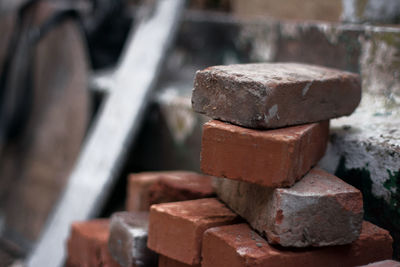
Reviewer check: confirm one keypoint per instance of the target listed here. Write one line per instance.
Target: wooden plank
(117, 124)
(36, 165)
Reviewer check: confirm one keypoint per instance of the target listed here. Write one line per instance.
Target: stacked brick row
(273, 207)
(269, 175)
(269, 129)
(122, 239)
(195, 231)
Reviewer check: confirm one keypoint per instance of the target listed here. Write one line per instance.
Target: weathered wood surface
(35, 166)
(116, 126)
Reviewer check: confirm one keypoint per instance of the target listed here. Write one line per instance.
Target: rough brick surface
(128, 239)
(179, 187)
(319, 210)
(386, 263)
(87, 244)
(275, 95)
(147, 188)
(238, 245)
(274, 158)
(168, 262)
(176, 229)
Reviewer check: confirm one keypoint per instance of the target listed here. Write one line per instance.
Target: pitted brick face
(87, 244)
(274, 158)
(319, 210)
(273, 95)
(147, 188)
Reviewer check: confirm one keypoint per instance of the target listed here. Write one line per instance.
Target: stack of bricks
(273, 207)
(122, 239)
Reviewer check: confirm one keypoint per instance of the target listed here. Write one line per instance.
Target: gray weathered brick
(275, 95)
(319, 210)
(128, 239)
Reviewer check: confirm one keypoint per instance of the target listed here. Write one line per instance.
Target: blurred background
(61, 61)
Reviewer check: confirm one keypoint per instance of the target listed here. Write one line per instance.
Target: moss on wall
(376, 209)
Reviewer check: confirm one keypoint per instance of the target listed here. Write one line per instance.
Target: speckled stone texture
(273, 95)
(147, 188)
(320, 210)
(128, 239)
(176, 229)
(239, 246)
(273, 158)
(386, 263)
(87, 244)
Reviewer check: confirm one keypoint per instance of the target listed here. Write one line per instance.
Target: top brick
(273, 95)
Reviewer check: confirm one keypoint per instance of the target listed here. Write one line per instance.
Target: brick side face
(318, 210)
(275, 158)
(88, 244)
(267, 96)
(147, 188)
(238, 246)
(176, 229)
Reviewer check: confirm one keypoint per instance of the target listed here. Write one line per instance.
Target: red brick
(274, 95)
(168, 262)
(88, 245)
(179, 187)
(149, 188)
(386, 263)
(274, 158)
(176, 229)
(238, 245)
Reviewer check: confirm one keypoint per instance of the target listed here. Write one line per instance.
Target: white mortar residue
(306, 88)
(272, 112)
(374, 11)
(330, 31)
(377, 61)
(370, 140)
(139, 248)
(243, 251)
(289, 29)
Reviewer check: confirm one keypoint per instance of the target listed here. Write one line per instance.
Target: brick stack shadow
(269, 129)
